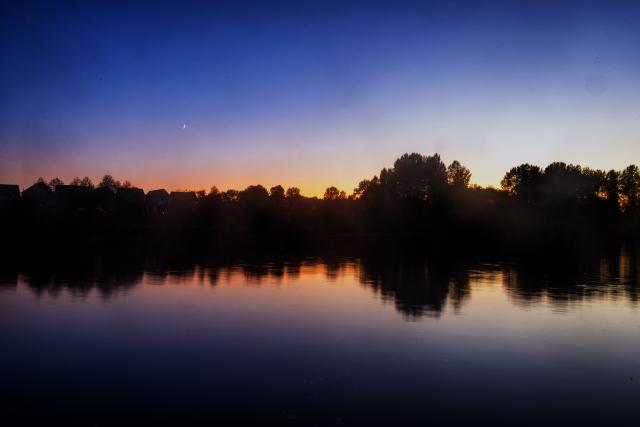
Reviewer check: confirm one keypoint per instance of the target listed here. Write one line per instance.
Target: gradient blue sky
(313, 93)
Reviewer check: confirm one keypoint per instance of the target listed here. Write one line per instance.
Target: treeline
(419, 195)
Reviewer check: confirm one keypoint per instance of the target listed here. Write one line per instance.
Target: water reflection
(612, 276)
(417, 284)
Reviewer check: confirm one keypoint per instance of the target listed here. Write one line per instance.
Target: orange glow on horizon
(308, 187)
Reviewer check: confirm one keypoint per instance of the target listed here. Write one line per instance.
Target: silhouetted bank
(419, 195)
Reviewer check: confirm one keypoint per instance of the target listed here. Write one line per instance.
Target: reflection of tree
(564, 281)
(333, 266)
(108, 277)
(8, 279)
(416, 285)
(293, 269)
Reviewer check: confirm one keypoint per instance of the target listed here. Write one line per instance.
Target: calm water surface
(316, 341)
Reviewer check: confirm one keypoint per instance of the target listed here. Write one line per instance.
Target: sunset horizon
(314, 189)
(320, 213)
(190, 97)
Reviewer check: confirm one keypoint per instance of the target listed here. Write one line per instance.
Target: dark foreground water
(310, 340)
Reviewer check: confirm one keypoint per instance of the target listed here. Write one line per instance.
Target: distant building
(39, 195)
(72, 198)
(103, 200)
(130, 196)
(9, 204)
(182, 203)
(157, 202)
(39, 203)
(9, 193)
(131, 206)
(183, 198)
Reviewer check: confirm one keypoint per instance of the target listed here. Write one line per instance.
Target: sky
(186, 95)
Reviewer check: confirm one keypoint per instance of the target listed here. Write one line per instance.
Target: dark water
(312, 340)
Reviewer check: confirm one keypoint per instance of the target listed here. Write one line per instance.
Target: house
(130, 196)
(157, 202)
(103, 200)
(39, 195)
(9, 201)
(38, 202)
(72, 198)
(9, 193)
(182, 203)
(183, 199)
(130, 206)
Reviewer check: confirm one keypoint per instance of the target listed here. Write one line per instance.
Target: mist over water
(310, 338)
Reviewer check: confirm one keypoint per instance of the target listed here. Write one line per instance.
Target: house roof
(39, 188)
(9, 191)
(182, 197)
(134, 194)
(103, 192)
(72, 190)
(157, 194)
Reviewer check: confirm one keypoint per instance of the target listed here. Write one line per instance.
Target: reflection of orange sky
(328, 292)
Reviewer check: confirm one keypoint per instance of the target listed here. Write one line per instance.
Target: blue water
(312, 341)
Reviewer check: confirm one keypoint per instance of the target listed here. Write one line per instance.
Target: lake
(408, 338)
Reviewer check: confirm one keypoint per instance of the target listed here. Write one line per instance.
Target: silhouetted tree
(630, 188)
(612, 188)
(436, 172)
(86, 182)
(416, 176)
(361, 188)
(76, 182)
(562, 182)
(591, 190)
(386, 178)
(458, 175)
(55, 181)
(277, 192)
(332, 193)
(293, 193)
(523, 182)
(230, 195)
(254, 194)
(409, 176)
(109, 182)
